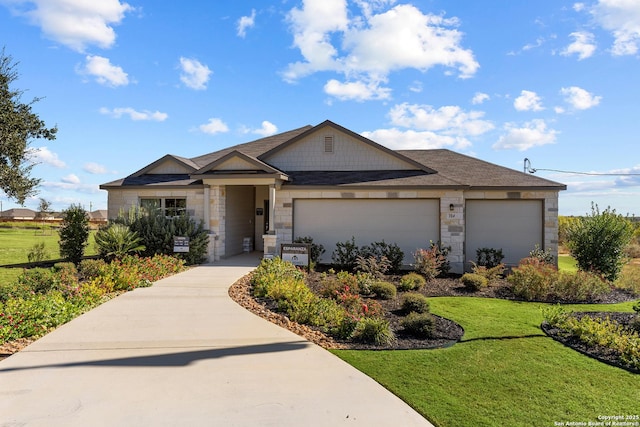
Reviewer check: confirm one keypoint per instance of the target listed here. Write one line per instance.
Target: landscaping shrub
(74, 233)
(629, 280)
(420, 325)
(117, 240)
(411, 282)
(474, 281)
(489, 257)
(491, 274)
(269, 272)
(384, 290)
(66, 278)
(373, 330)
(38, 280)
(597, 242)
(316, 250)
(380, 250)
(429, 262)
(533, 280)
(14, 290)
(415, 302)
(373, 266)
(90, 268)
(364, 280)
(157, 232)
(332, 285)
(345, 255)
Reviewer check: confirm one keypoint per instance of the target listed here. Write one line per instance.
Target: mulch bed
(603, 354)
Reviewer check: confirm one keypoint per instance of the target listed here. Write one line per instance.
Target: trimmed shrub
(629, 280)
(373, 330)
(333, 285)
(384, 290)
(74, 233)
(531, 281)
(364, 280)
(579, 286)
(419, 325)
(491, 274)
(544, 256)
(415, 302)
(90, 268)
(474, 281)
(38, 280)
(411, 282)
(597, 242)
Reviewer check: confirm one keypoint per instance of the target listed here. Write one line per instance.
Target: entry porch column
(271, 238)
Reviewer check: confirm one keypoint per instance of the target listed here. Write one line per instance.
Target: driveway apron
(182, 353)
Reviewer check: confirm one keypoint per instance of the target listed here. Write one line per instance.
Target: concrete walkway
(182, 353)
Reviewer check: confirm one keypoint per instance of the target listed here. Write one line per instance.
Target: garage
(515, 226)
(410, 223)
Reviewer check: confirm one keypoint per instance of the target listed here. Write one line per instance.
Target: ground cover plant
(41, 299)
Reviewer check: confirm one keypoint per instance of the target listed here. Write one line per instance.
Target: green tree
(117, 240)
(74, 233)
(18, 126)
(597, 241)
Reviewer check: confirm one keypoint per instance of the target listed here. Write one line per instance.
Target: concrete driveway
(182, 353)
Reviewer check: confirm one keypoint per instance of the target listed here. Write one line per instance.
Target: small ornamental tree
(597, 242)
(74, 233)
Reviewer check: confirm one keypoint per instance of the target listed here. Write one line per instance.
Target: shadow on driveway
(175, 359)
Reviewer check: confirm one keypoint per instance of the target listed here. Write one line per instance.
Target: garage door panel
(409, 223)
(515, 226)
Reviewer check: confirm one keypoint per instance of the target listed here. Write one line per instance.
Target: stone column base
(270, 245)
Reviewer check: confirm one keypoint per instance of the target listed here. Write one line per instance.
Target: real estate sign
(180, 244)
(295, 253)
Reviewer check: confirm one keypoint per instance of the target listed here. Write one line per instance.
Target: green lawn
(15, 244)
(505, 371)
(567, 263)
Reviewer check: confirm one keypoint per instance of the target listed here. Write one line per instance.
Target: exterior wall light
(451, 207)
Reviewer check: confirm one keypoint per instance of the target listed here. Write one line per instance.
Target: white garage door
(515, 226)
(411, 224)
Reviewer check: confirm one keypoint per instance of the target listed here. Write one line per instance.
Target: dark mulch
(603, 354)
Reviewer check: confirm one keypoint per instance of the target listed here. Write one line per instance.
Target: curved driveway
(182, 353)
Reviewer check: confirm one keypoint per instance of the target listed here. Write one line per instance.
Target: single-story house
(19, 214)
(329, 183)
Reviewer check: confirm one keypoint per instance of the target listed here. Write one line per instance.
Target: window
(328, 144)
(170, 207)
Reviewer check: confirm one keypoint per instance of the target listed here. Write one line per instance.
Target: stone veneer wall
(452, 222)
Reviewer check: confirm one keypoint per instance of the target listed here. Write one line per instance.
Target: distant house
(330, 183)
(98, 216)
(18, 214)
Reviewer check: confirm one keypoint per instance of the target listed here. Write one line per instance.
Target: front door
(266, 216)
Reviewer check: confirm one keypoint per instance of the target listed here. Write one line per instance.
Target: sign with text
(180, 244)
(295, 253)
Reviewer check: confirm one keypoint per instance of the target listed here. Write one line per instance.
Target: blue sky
(552, 81)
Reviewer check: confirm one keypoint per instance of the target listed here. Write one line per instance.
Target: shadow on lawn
(504, 338)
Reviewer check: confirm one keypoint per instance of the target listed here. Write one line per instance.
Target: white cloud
(194, 74)
(622, 19)
(528, 101)
(531, 134)
(94, 168)
(578, 7)
(214, 126)
(631, 180)
(582, 45)
(480, 98)
(45, 156)
(357, 91)
(246, 22)
(449, 120)
(135, 115)
(579, 98)
(71, 186)
(74, 23)
(267, 129)
(104, 72)
(71, 179)
(397, 139)
(366, 48)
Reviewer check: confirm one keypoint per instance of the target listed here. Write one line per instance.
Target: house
(18, 214)
(329, 183)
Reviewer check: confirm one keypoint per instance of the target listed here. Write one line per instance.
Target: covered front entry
(515, 226)
(410, 223)
(246, 217)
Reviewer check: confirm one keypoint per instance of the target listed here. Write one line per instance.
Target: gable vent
(328, 144)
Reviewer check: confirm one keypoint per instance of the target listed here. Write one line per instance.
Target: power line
(528, 168)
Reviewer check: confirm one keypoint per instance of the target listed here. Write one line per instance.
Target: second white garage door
(515, 226)
(410, 223)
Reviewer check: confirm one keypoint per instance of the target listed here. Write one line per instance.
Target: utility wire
(528, 168)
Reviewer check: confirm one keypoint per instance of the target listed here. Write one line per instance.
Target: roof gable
(330, 147)
(236, 162)
(168, 165)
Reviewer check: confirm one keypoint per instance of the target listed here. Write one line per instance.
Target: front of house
(329, 183)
